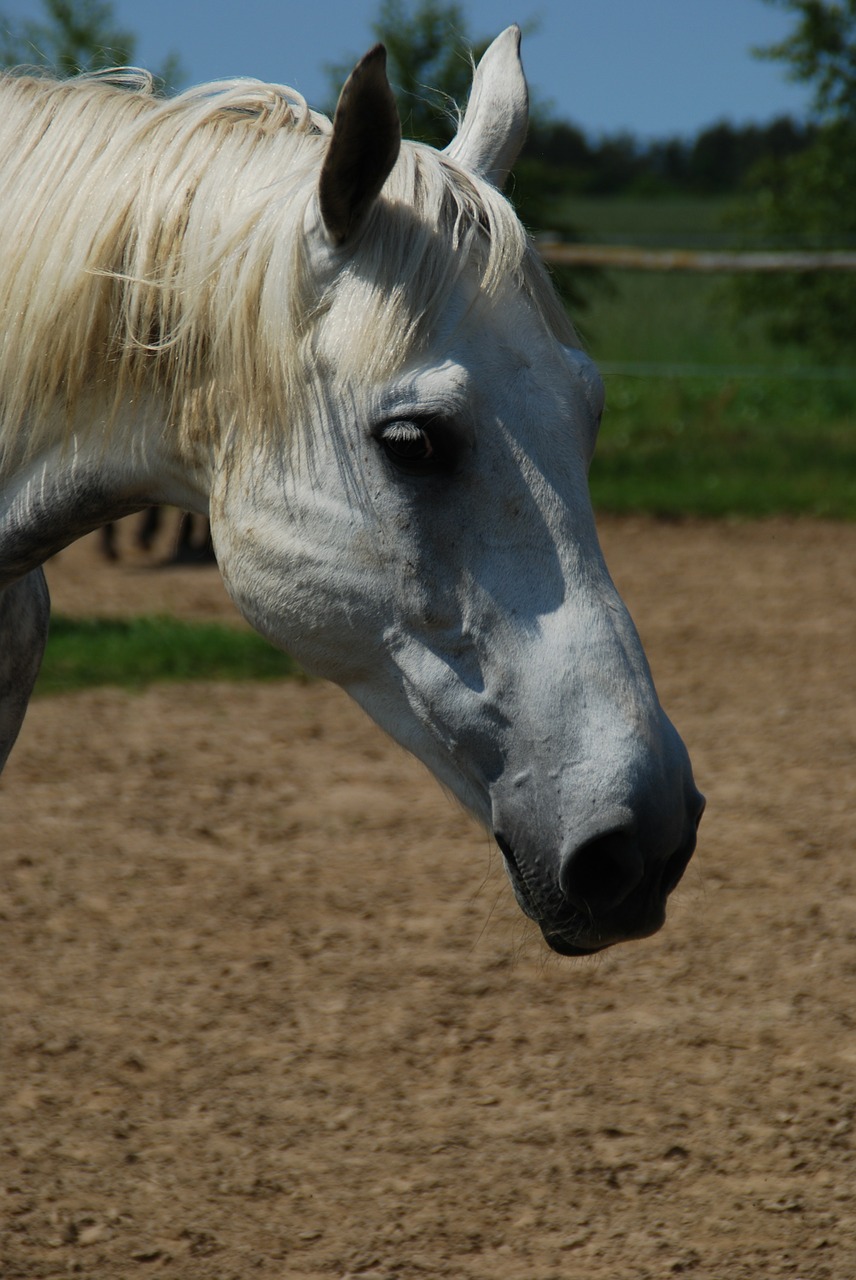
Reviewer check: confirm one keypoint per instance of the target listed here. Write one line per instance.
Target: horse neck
(69, 488)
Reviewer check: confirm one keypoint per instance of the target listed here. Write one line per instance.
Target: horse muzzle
(608, 888)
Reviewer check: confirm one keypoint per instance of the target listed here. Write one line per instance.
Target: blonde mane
(158, 245)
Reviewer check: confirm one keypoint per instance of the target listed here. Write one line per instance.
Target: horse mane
(158, 245)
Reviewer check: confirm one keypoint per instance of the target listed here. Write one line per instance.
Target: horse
(343, 349)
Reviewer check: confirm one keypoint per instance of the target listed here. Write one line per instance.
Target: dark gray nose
(599, 875)
(606, 890)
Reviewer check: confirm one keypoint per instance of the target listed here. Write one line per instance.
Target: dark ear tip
(369, 74)
(374, 60)
(363, 147)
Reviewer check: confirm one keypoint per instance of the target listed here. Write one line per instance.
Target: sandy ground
(269, 1009)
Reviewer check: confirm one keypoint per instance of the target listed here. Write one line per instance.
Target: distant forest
(717, 161)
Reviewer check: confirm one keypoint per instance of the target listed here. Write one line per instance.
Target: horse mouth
(558, 944)
(571, 932)
(587, 937)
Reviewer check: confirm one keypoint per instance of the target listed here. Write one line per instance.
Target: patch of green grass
(714, 447)
(131, 653)
(705, 414)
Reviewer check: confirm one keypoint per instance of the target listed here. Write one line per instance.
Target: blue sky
(653, 67)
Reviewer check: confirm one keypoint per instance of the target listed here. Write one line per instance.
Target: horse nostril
(677, 864)
(604, 871)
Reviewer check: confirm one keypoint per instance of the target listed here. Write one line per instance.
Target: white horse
(343, 349)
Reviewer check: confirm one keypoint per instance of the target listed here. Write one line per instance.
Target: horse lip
(557, 943)
(518, 879)
(642, 914)
(588, 937)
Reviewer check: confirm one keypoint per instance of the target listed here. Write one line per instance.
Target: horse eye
(407, 442)
(416, 449)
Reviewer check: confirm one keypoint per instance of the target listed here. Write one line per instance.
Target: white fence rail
(627, 258)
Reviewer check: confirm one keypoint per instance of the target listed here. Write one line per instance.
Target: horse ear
(363, 148)
(497, 115)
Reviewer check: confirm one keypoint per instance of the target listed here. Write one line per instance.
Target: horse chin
(592, 936)
(562, 948)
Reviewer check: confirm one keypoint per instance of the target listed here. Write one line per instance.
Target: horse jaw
(497, 116)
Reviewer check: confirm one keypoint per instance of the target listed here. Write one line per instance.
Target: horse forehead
(532, 376)
(510, 343)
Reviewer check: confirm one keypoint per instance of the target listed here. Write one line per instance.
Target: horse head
(420, 531)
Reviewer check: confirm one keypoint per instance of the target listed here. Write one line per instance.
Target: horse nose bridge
(595, 738)
(588, 652)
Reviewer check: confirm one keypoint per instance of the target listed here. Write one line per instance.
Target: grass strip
(83, 653)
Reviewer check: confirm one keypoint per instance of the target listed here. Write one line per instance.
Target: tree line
(717, 161)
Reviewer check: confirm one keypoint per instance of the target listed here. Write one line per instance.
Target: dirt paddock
(269, 1009)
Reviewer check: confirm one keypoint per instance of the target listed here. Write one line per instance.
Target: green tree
(809, 199)
(74, 36)
(821, 51)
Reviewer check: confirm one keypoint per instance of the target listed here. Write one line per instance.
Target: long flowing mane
(161, 244)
